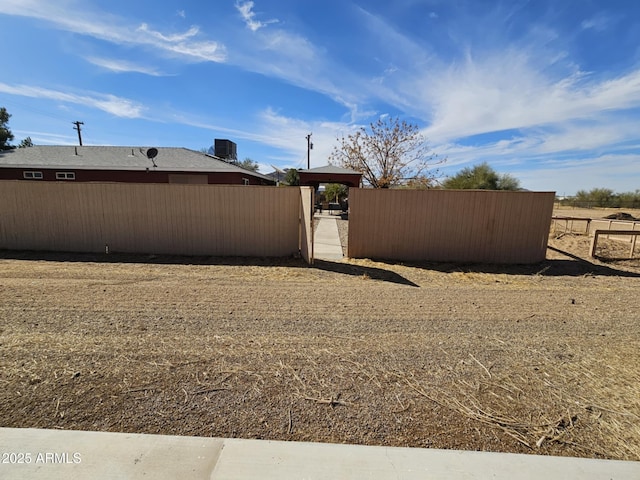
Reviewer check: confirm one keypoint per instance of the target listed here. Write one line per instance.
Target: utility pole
(77, 127)
(309, 148)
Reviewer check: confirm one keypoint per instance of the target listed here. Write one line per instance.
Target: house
(123, 164)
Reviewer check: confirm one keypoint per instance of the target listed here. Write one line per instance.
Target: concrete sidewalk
(326, 240)
(59, 454)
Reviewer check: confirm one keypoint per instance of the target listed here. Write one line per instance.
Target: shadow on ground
(150, 259)
(373, 273)
(336, 267)
(571, 266)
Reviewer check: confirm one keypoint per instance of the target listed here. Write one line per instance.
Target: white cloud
(576, 137)
(562, 158)
(122, 66)
(46, 138)
(496, 84)
(286, 135)
(175, 38)
(599, 22)
(292, 58)
(115, 29)
(181, 14)
(606, 171)
(118, 106)
(508, 92)
(248, 15)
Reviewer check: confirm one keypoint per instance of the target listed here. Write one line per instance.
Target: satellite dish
(151, 154)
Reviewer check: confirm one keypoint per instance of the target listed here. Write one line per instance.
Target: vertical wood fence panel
(449, 225)
(219, 220)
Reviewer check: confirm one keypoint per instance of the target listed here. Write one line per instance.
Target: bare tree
(388, 153)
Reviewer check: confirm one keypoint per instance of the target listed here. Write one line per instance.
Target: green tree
(292, 177)
(5, 134)
(581, 198)
(26, 143)
(335, 192)
(481, 177)
(603, 197)
(597, 197)
(629, 199)
(508, 182)
(248, 164)
(388, 153)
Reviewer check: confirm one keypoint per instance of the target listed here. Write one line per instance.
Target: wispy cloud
(118, 106)
(288, 135)
(599, 22)
(544, 157)
(603, 171)
(115, 29)
(284, 137)
(524, 80)
(507, 92)
(122, 66)
(248, 15)
(291, 57)
(46, 138)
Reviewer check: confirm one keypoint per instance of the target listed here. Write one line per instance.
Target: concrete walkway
(326, 240)
(60, 454)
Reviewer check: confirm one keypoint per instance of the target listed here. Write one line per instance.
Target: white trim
(65, 175)
(32, 175)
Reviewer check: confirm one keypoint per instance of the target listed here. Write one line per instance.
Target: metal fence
(450, 225)
(217, 220)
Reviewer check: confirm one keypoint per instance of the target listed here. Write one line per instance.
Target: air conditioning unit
(225, 149)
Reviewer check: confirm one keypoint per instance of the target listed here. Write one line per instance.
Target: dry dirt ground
(533, 359)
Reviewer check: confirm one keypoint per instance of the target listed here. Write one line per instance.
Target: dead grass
(538, 359)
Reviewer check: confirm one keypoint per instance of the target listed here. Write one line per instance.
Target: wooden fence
(218, 220)
(607, 224)
(450, 225)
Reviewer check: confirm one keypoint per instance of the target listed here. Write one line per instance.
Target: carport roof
(331, 169)
(330, 174)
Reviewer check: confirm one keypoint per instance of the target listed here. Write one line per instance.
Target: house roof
(331, 169)
(169, 159)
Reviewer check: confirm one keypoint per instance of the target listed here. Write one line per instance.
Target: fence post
(594, 243)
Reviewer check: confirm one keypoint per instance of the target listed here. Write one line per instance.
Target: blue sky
(548, 91)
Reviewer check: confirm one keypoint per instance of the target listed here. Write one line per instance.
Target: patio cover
(329, 174)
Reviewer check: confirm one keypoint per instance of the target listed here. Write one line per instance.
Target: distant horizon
(548, 92)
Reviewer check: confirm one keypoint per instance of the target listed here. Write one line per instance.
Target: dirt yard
(533, 359)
